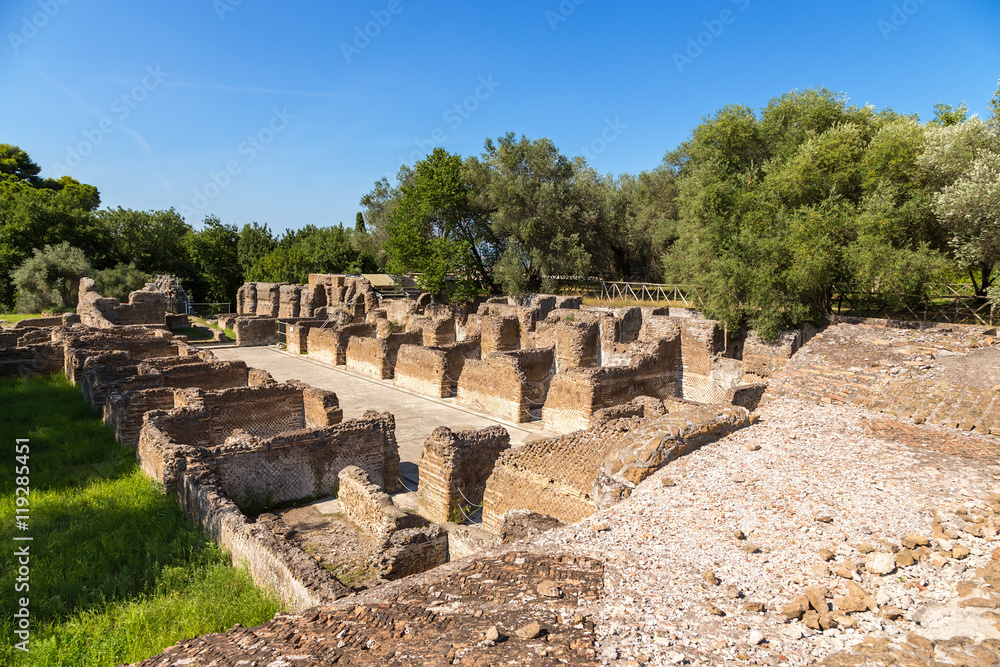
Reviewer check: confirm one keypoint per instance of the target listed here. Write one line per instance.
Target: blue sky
(288, 113)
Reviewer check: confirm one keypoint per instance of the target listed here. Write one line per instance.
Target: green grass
(10, 318)
(193, 333)
(230, 334)
(118, 572)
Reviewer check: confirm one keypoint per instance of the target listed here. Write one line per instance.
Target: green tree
(945, 115)
(50, 278)
(359, 223)
(155, 241)
(255, 241)
(36, 212)
(963, 161)
(213, 251)
(438, 228)
(120, 280)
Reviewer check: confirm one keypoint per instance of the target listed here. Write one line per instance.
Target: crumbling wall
(138, 343)
(507, 384)
(571, 476)
(297, 335)
(268, 299)
(35, 359)
(576, 394)
(411, 551)
(274, 562)
(304, 464)
(145, 306)
(433, 371)
(703, 342)
(289, 300)
(255, 331)
(497, 333)
(575, 335)
(454, 468)
(330, 345)
(376, 357)
(762, 359)
(369, 507)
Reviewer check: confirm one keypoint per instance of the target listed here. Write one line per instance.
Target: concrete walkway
(416, 416)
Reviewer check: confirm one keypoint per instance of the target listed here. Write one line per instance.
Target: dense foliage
(771, 212)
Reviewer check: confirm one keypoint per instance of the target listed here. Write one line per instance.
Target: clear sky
(287, 113)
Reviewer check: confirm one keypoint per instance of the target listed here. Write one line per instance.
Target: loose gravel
(702, 556)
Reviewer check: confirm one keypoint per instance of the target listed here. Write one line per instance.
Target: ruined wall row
(376, 357)
(368, 507)
(329, 346)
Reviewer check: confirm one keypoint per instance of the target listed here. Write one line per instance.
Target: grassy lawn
(631, 303)
(10, 318)
(230, 334)
(118, 573)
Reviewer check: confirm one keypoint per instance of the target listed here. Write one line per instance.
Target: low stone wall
(297, 334)
(329, 346)
(497, 333)
(64, 320)
(305, 464)
(507, 384)
(433, 371)
(454, 468)
(639, 453)
(37, 359)
(138, 343)
(369, 507)
(274, 562)
(569, 477)
(412, 551)
(376, 357)
(762, 359)
(576, 394)
(255, 331)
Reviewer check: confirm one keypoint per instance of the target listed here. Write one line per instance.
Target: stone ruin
(147, 306)
(629, 389)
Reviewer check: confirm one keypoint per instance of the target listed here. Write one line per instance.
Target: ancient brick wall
(268, 299)
(423, 370)
(526, 316)
(369, 507)
(762, 359)
(569, 477)
(289, 300)
(124, 413)
(576, 394)
(437, 332)
(376, 357)
(412, 550)
(255, 331)
(454, 468)
(64, 320)
(498, 333)
(36, 359)
(330, 345)
(303, 464)
(575, 335)
(508, 384)
(274, 562)
(297, 335)
(78, 348)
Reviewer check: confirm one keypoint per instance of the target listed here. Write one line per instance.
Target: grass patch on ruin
(193, 333)
(118, 572)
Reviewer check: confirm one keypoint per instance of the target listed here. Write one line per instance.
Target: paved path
(416, 415)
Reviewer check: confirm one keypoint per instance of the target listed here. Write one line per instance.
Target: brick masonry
(454, 468)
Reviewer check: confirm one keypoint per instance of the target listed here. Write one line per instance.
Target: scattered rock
(667, 481)
(713, 610)
(493, 634)
(600, 527)
(739, 534)
(792, 611)
(756, 637)
(529, 631)
(865, 548)
(710, 578)
(817, 598)
(904, 558)
(914, 541)
(752, 606)
(753, 447)
(733, 592)
(827, 555)
(891, 613)
(825, 519)
(751, 548)
(883, 564)
(549, 589)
